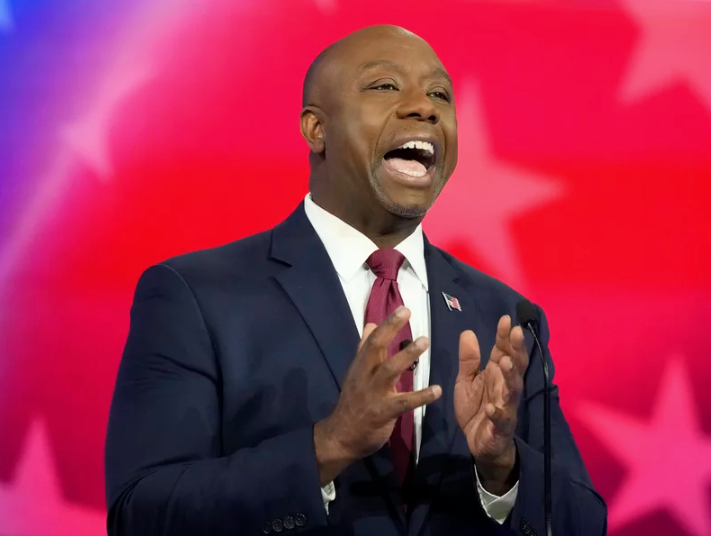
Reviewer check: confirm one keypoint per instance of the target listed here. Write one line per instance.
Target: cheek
(345, 140)
(360, 143)
(452, 148)
(453, 154)
(368, 121)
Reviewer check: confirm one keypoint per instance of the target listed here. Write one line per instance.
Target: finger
(390, 371)
(502, 346)
(519, 352)
(503, 420)
(469, 356)
(502, 382)
(495, 383)
(512, 382)
(404, 402)
(379, 339)
(367, 330)
(495, 413)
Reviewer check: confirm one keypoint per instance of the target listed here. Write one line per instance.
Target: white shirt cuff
(328, 493)
(496, 507)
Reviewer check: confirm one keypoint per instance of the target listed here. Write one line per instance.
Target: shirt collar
(348, 248)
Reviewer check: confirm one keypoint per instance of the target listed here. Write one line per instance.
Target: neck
(387, 240)
(385, 229)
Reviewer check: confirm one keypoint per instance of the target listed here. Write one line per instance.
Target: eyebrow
(437, 72)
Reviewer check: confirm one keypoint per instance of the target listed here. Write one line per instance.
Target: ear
(312, 129)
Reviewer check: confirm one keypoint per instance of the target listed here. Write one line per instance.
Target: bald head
(332, 54)
(379, 119)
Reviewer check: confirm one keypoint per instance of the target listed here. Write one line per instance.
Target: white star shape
(674, 46)
(88, 137)
(131, 68)
(667, 456)
(6, 23)
(484, 195)
(33, 504)
(86, 140)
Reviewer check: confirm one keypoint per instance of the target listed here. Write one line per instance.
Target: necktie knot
(386, 263)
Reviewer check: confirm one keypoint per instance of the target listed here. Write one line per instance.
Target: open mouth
(414, 158)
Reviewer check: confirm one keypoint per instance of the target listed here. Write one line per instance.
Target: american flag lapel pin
(452, 302)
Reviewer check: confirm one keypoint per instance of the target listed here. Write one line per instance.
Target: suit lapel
(311, 282)
(440, 425)
(313, 286)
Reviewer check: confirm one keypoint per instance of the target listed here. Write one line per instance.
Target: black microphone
(528, 317)
(404, 344)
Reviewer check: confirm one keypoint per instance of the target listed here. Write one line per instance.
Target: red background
(584, 182)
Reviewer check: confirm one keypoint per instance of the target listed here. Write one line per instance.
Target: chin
(405, 204)
(408, 211)
(402, 199)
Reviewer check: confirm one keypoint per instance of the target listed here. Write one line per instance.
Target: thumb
(367, 330)
(469, 356)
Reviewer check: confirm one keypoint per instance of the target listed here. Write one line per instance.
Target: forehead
(407, 53)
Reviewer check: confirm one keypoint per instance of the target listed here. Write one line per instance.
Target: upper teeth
(421, 145)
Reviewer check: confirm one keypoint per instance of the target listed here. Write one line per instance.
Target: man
(239, 405)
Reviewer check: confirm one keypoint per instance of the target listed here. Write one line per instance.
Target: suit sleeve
(166, 472)
(578, 510)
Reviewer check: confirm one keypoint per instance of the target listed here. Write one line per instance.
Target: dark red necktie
(384, 299)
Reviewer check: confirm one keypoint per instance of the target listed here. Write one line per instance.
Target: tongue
(408, 167)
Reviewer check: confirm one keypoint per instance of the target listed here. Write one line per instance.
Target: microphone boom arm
(528, 317)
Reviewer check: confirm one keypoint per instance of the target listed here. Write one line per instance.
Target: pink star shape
(674, 46)
(668, 457)
(131, 68)
(484, 195)
(86, 140)
(89, 136)
(33, 504)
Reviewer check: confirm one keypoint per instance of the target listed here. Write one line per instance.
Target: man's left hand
(486, 402)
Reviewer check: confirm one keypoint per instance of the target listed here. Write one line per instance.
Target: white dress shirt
(348, 250)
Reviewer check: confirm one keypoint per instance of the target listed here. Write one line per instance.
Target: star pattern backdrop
(137, 130)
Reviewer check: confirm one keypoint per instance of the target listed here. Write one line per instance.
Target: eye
(440, 95)
(385, 86)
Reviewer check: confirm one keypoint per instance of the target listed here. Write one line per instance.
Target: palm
(486, 402)
(472, 397)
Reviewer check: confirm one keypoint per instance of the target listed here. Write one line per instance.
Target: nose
(417, 105)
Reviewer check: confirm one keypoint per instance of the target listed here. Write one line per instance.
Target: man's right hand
(369, 405)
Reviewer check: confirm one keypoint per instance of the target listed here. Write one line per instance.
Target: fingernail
(421, 343)
(436, 390)
(401, 312)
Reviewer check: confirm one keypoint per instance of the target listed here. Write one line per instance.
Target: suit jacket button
(267, 528)
(289, 523)
(300, 519)
(277, 525)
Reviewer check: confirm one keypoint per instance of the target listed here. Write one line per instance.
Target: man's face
(392, 130)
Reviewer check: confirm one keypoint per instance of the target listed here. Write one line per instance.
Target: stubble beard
(403, 211)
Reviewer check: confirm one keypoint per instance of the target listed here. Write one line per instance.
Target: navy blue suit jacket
(235, 352)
